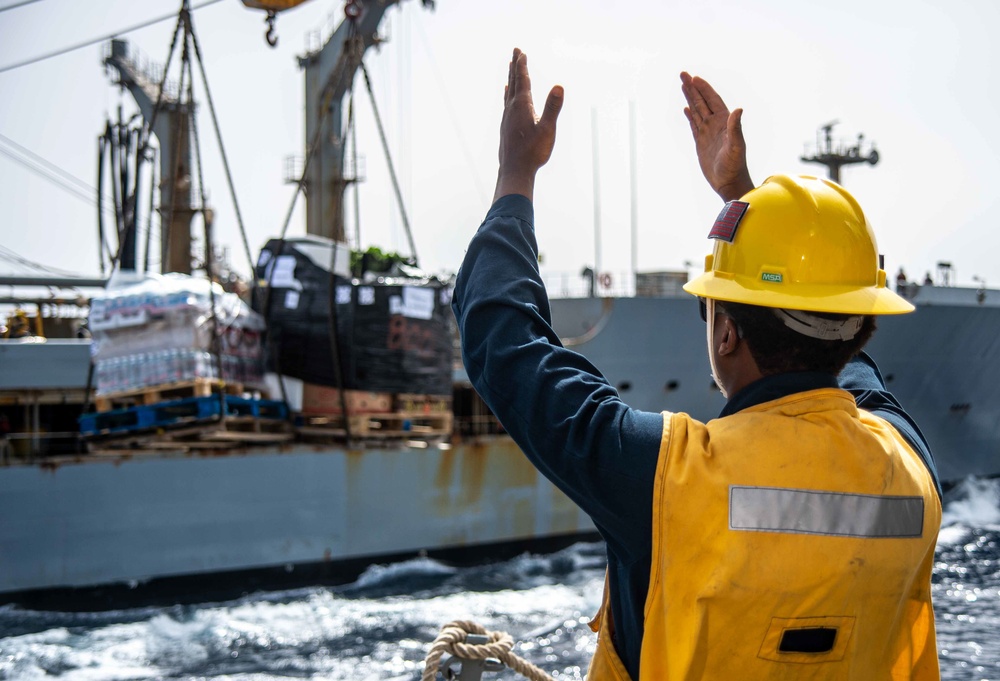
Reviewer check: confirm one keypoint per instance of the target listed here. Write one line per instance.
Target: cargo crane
(329, 77)
(167, 115)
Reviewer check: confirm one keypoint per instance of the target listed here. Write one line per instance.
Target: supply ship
(209, 467)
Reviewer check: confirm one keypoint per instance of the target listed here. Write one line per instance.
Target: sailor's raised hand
(526, 141)
(718, 138)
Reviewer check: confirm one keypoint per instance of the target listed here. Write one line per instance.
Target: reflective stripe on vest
(801, 511)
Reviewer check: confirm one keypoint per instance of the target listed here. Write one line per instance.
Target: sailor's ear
(730, 340)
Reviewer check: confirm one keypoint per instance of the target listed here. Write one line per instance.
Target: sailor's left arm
(718, 138)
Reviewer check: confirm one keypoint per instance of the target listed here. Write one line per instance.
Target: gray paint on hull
(154, 515)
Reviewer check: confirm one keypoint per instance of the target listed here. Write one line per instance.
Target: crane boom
(329, 74)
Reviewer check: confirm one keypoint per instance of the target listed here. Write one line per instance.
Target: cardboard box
(320, 399)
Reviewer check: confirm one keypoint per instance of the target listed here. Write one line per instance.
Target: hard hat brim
(873, 300)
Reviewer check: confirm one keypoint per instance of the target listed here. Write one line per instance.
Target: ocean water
(381, 626)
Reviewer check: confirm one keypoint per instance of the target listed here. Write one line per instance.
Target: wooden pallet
(419, 403)
(396, 425)
(178, 413)
(232, 432)
(199, 387)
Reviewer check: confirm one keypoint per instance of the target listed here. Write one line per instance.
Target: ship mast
(835, 156)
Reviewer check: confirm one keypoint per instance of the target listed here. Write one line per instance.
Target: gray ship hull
(146, 516)
(941, 362)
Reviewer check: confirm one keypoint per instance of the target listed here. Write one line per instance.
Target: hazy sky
(920, 79)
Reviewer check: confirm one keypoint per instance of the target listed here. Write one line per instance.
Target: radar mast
(835, 155)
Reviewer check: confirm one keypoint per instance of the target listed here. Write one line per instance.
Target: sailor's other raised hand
(526, 141)
(718, 138)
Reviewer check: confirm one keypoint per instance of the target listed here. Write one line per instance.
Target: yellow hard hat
(799, 243)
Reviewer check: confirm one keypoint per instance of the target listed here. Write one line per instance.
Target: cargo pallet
(155, 394)
(225, 434)
(396, 425)
(187, 411)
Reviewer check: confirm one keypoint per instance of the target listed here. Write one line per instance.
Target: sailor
(19, 325)
(792, 537)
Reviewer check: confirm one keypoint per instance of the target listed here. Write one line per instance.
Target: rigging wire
(392, 170)
(456, 124)
(49, 164)
(153, 184)
(222, 147)
(48, 176)
(18, 259)
(94, 41)
(17, 4)
(353, 128)
(81, 185)
(49, 171)
(206, 219)
(102, 241)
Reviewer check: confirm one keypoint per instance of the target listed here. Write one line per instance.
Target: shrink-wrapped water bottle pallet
(163, 419)
(164, 392)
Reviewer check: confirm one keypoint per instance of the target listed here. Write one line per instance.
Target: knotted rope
(451, 640)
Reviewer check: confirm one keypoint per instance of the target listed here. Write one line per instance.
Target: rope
(451, 640)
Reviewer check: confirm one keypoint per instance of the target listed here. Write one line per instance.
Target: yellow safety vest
(792, 540)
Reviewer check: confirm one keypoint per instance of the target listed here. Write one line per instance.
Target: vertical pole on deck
(634, 192)
(597, 195)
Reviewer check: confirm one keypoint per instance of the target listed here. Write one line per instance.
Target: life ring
(605, 280)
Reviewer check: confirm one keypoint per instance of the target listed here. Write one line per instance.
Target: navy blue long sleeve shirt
(571, 423)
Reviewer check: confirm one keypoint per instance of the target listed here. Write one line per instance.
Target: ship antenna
(836, 155)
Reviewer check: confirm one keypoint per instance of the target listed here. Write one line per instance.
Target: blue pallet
(186, 410)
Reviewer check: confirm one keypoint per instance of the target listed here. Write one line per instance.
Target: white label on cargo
(395, 305)
(366, 295)
(283, 275)
(418, 302)
(343, 295)
(291, 299)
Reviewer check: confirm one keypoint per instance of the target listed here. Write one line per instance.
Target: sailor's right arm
(525, 142)
(557, 406)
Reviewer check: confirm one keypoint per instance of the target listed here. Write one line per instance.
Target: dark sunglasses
(703, 309)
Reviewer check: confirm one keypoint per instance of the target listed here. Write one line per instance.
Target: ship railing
(666, 283)
(28, 448)
(576, 285)
(470, 425)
